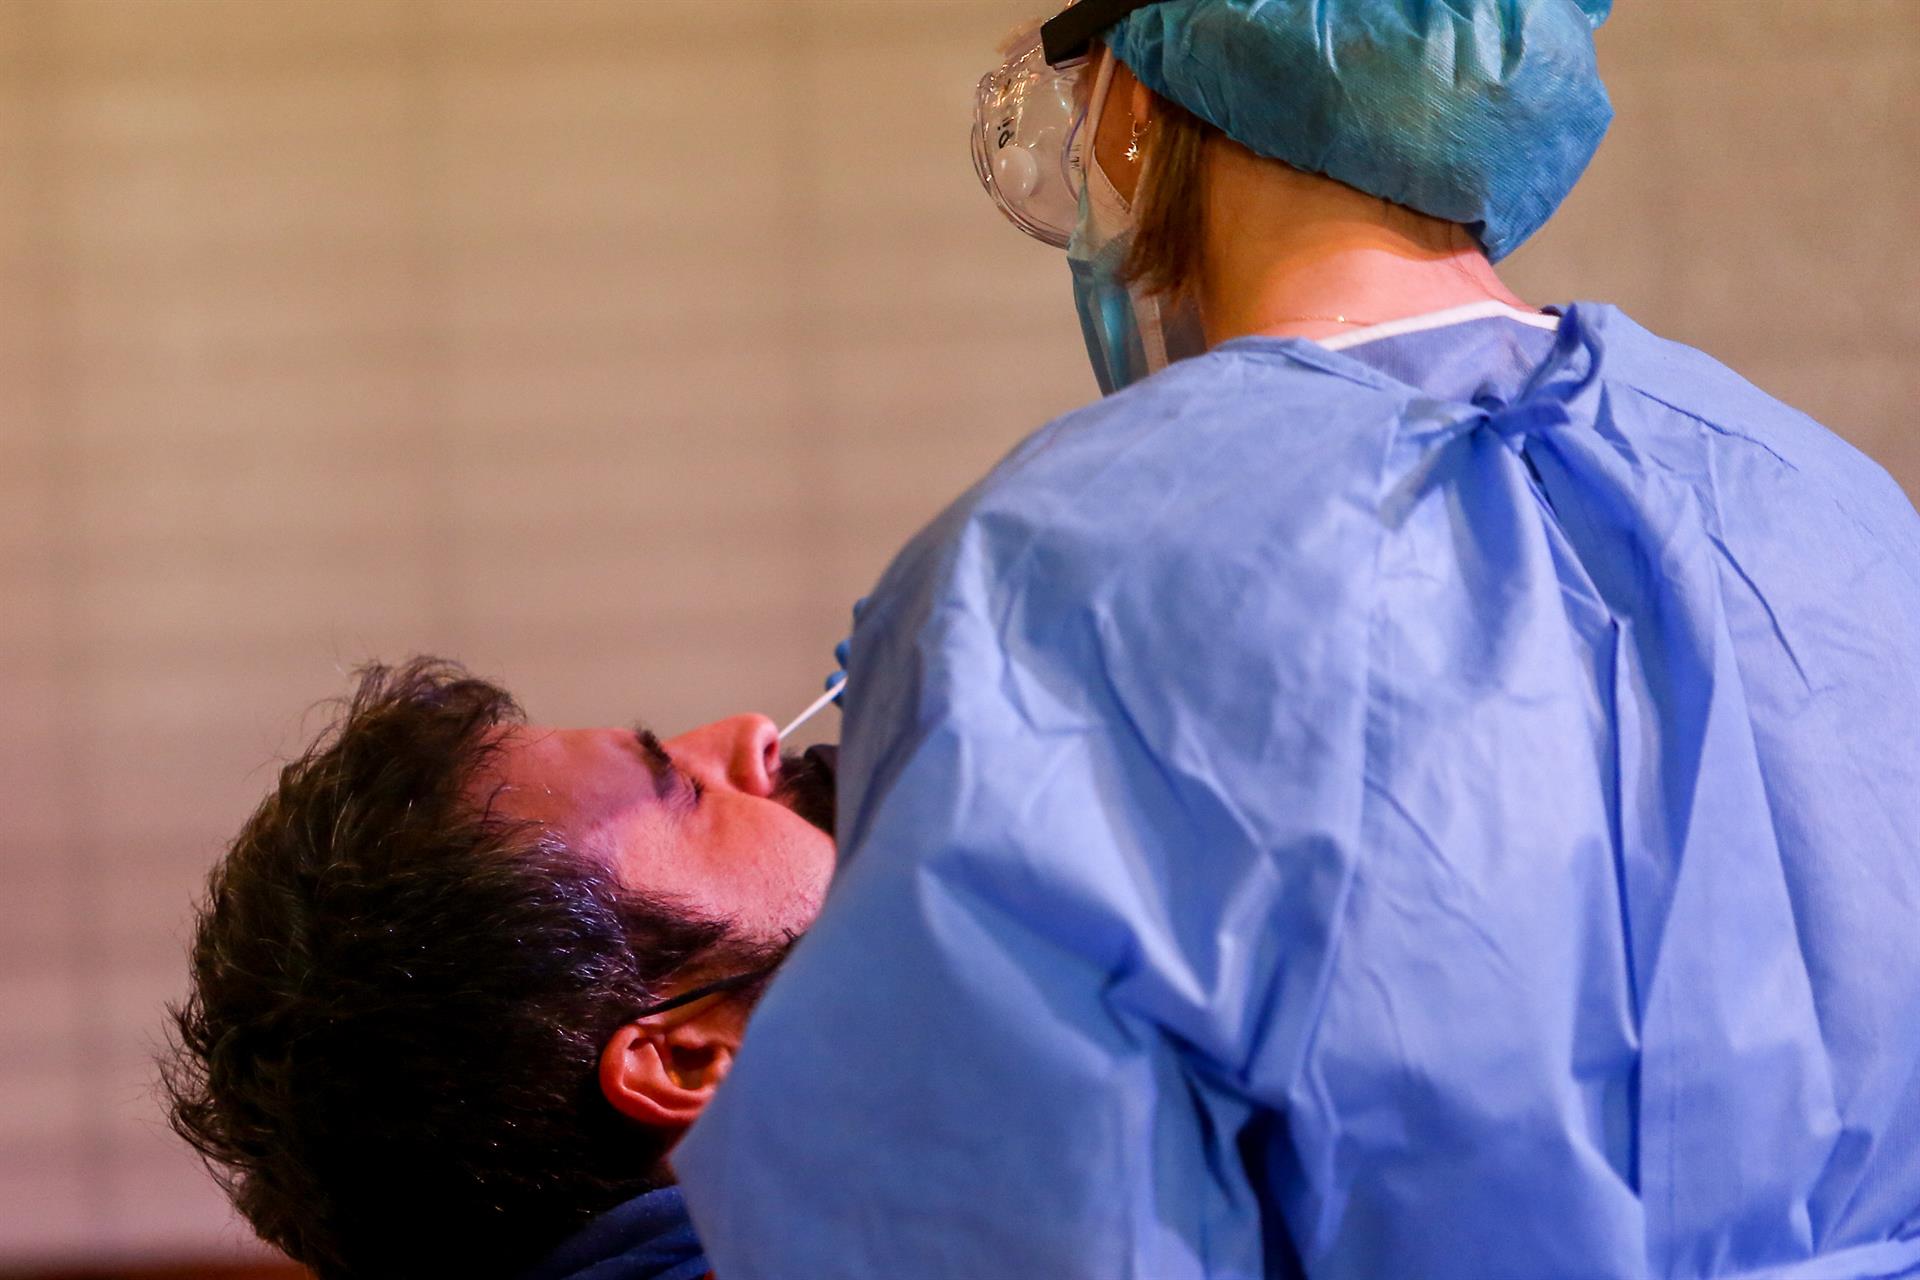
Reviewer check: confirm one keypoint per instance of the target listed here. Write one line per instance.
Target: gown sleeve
(1088, 886)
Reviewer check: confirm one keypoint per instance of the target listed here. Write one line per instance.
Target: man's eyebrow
(666, 778)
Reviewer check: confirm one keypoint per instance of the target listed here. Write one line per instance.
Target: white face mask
(1108, 216)
(1129, 333)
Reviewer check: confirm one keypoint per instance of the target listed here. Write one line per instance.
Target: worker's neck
(1291, 254)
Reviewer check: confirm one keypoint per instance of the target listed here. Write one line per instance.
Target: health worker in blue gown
(1422, 786)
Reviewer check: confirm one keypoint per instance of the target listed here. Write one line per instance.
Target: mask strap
(1089, 130)
(702, 991)
(1153, 332)
(1146, 311)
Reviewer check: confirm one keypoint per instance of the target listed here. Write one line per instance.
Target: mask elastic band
(1096, 105)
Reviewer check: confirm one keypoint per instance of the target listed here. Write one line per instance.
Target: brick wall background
(612, 346)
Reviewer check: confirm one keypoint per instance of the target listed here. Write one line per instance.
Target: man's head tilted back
(412, 1044)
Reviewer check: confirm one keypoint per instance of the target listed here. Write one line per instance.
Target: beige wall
(1759, 197)
(612, 345)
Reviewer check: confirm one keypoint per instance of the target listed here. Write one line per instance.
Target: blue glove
(843, 655)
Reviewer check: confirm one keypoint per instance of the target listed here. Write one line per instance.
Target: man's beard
(806, 785)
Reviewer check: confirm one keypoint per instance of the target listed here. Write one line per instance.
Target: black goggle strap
(704, 990)
(1066, 36)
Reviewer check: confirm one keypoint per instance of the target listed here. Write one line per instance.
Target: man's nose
(752, 753)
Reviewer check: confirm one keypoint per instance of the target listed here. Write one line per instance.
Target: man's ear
(664, 1076)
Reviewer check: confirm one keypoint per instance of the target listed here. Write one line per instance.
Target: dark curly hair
(389, 1054)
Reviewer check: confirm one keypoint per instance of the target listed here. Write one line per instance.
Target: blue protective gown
(1448, 808)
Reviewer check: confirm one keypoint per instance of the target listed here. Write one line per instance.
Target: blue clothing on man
(649, 1237)
(1447, 807)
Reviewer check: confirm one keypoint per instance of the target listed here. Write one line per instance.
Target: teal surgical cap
(1482, 112)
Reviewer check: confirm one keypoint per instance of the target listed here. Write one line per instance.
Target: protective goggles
(1029, 118)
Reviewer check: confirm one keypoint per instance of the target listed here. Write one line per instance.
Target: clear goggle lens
(1026, 148)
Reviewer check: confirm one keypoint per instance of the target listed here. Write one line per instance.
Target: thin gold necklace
(1326, 320)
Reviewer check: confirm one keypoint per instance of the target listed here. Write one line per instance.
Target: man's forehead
(570, 779)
